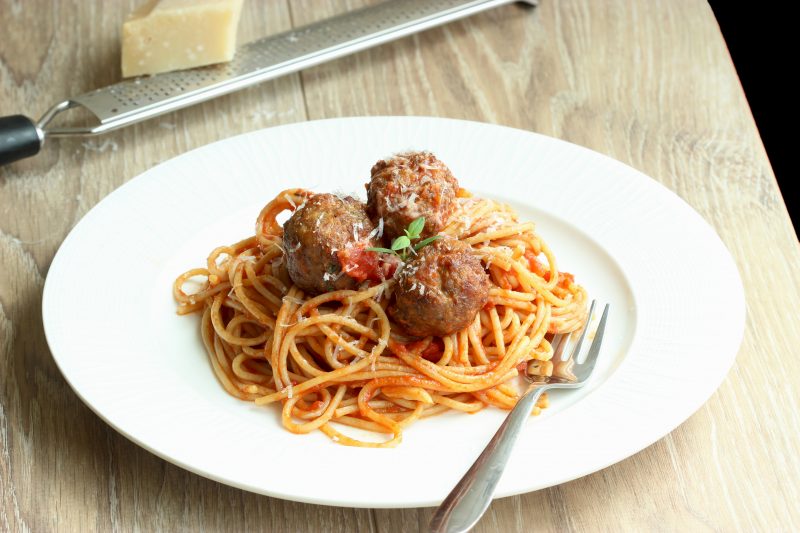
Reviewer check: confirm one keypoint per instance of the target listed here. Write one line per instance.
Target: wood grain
(647, 82)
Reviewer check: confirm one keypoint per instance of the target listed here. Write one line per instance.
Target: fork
(470, 498)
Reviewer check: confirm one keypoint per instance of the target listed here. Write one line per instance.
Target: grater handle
(20, 137)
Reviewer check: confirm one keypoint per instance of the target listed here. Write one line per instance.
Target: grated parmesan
(356, 228)
(377, 233)
(378, 296)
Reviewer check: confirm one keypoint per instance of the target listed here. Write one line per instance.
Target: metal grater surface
(141, 98)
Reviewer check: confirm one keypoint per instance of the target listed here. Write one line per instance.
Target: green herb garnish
(402, 245)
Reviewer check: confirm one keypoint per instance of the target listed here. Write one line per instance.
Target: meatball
(440, 291)
(324, 233)
(408, 186)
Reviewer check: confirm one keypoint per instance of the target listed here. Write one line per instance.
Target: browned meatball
(322, 234)
(409, 186)
(440, 290)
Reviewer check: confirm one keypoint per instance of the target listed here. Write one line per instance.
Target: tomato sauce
(362, 264)
(359, 263)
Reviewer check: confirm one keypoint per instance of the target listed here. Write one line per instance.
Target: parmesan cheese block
(164, 35)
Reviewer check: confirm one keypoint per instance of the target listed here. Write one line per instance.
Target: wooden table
(647, 82)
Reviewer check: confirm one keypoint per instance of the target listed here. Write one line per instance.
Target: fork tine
(591, 358)
(577, 350)
(558, 344)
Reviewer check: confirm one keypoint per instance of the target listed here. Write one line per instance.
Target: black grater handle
(19, 138)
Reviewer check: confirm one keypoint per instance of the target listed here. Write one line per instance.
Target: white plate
(677, 310)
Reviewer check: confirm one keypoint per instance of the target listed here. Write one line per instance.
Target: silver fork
(470, 498)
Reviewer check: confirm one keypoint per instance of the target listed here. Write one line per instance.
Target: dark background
(757, 35)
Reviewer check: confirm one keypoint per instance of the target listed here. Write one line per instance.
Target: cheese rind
(165, 35)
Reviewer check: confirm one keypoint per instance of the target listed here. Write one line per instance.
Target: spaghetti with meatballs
(424, 299)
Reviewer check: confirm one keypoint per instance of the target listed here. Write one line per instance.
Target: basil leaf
(401, 242)
(381, 250)
(415, 228)
(425, 242)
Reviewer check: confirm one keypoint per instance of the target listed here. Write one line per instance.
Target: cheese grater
(142, 98)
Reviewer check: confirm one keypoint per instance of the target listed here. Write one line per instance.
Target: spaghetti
(337, 360)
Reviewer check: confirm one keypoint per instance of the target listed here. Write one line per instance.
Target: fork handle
(470, 498)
